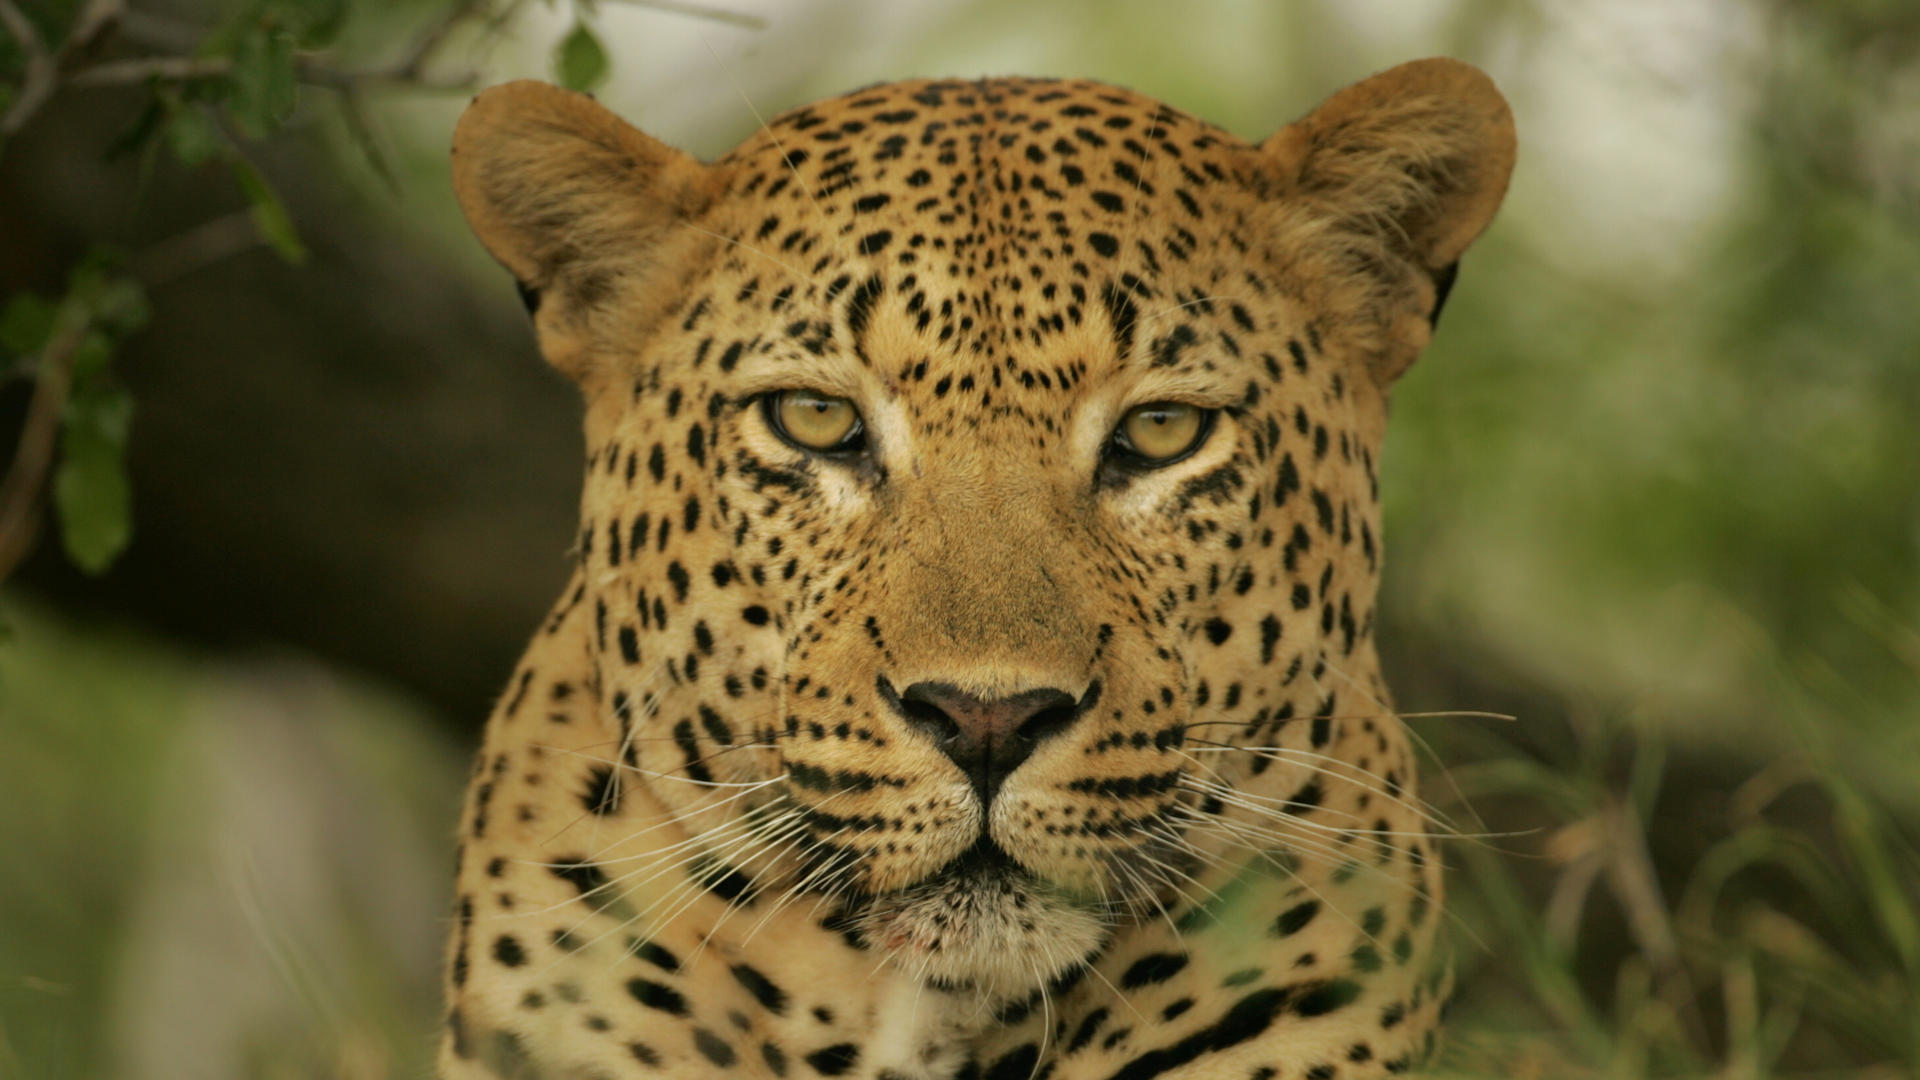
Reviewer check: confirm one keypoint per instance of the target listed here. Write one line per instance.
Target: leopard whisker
(1323, 763)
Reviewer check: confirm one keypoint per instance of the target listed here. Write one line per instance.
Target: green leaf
(316, 22)
(26, 323)
(580, 62)
(90, 490)
(193, 136)
(264, 87)
(269, 213)
(91, 357)
(98, 293)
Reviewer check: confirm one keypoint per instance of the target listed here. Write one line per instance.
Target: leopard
(968, 667)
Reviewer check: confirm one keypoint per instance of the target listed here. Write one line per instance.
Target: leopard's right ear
(579, 205)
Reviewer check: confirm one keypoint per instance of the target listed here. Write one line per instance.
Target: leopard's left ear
(1400, 172)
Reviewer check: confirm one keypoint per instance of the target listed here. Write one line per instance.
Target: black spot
(860, 306)
(644, 1054)
(726, 882)
(1248, 1017)
(697, 444)
(656, 955)
(585, 876)
(655, 996)
(603, 791)
(1269, 637)
(1168, 349)
(1016, 1064)
(1295, 919)
(712, 1047)
(1323, 507)
(875, 242)
(1151, 969)
(1325, 997)
(1289, 480)
(1122, 314)
(1104, 244)
(507, 950)
(775, 1058)
(1089, 1027)
(869, 203)
(1218, 630)
(834, 1060)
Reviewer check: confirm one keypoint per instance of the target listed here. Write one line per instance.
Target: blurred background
(1654, 495)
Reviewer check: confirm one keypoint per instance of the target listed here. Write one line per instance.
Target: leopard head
(972, 466)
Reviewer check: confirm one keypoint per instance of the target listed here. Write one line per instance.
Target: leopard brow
(772, 373)
(1208, 391)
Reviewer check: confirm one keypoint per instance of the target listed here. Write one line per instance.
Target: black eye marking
(1123, 456)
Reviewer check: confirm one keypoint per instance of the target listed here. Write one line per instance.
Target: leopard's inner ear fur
(1397, 174)
(589, 213)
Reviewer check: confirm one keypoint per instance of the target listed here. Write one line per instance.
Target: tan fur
(706, 837)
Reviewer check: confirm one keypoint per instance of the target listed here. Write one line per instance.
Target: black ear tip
(1442, 285)
(530, 296)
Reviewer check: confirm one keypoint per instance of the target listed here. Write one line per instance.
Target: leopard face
(975, 586)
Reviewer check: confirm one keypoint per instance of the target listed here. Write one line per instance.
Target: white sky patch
(1630, 114)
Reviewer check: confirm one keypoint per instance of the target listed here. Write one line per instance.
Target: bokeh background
(1654, 495)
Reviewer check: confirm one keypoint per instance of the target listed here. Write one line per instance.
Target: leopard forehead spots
(969, 667)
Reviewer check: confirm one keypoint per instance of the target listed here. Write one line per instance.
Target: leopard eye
(815, 421)
(1162, 432)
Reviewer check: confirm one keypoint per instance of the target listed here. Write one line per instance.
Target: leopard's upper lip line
(984, 857)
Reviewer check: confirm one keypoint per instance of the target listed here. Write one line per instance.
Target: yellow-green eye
(815, 421)
(1163, 432)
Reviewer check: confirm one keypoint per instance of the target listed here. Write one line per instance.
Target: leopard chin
(984, 925)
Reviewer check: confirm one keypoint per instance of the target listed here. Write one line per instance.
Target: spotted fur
(706, 835)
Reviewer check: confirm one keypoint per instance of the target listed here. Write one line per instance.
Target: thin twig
(37, 78)
(33, 457)
(200, 246)
(432, 36)
(41, 75)
(42, 70)
(122, 72)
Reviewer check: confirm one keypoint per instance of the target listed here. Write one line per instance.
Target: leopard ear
(1400, 172)
(577, 204)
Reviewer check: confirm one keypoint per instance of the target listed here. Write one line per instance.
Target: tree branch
(37, 77)
(122, 72)
(26, 478)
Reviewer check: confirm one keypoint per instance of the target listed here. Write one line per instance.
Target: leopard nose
(988, 739)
